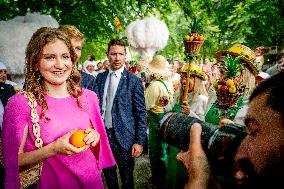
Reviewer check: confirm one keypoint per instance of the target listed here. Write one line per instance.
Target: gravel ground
(142, 172)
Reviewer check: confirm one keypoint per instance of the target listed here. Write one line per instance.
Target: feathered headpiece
(147, 36)
(15, 35)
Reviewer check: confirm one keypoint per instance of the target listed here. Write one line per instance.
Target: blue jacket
(128, 110)
(87, 81)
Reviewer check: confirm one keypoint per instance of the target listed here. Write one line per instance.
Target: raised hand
(185, 108)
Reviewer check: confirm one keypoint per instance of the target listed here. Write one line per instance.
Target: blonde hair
(72, 32)
(34, 82)
(198, 89)
(248, 79)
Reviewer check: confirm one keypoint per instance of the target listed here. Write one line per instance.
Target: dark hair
(279, 55)
(274, 87)
(114, 42)
(92, 57)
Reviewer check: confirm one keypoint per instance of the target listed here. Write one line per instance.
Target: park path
(142, 172)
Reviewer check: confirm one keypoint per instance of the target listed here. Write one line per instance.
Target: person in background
(197, 92)
(6, 91)
(246, 76)
(122, 104)
(141, 67)
(91, 59)
(100, 67)
(77, 40)
(260, 157)
(194, 107)
(89, 68)
(279, 66)
(259, 51)
(157, 96)
(5, 77)
(52, 79)
(105, 66)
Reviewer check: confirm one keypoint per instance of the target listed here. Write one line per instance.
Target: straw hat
(159, 66)
(237, 50)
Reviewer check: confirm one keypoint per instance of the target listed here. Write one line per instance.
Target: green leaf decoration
(196, 25)
(232, 66)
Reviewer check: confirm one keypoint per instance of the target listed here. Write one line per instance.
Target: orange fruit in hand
(77, 138)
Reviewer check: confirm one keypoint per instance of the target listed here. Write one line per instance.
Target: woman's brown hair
(34, 82)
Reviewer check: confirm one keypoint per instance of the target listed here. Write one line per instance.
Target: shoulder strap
(164, 84)
(35, 118)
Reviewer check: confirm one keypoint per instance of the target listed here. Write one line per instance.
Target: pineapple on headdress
(229, 89)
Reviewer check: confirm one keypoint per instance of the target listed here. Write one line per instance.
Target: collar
(118, 72)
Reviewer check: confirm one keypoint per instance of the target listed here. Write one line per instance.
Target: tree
(225, 22)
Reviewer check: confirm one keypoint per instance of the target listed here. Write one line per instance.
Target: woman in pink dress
(63, 107)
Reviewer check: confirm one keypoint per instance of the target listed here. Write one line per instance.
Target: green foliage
(251, 22)
(196, 25)
(232, 67)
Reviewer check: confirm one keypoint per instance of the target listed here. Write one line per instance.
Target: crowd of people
(122, 110)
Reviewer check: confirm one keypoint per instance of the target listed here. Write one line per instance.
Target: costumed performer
(245, 70)
(157, 96)
(193, 107)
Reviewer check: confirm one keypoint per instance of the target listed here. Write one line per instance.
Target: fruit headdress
(194, 70)
(229, 89)
(248, 56)
(193, 40)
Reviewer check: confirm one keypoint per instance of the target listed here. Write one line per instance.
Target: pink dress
(81, 170)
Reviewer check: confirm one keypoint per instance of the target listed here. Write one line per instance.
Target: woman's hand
(92, 138)
(63, 146)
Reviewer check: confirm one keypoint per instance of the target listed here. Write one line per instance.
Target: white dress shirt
(117, 75)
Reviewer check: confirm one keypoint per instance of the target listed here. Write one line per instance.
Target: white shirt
(117, 75)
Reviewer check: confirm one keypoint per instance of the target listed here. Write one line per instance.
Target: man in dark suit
(124, 112)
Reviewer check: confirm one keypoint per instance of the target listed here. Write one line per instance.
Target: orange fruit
(77, 138)
(230, 83)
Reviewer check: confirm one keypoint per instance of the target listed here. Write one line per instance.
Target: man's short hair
(115, 42)
(92, 57)
(274, 87)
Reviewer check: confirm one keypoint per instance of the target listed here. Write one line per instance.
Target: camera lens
(218, 143)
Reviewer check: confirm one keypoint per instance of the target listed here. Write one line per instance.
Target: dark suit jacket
(6, 91)
(128, 110)
(87, 81)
